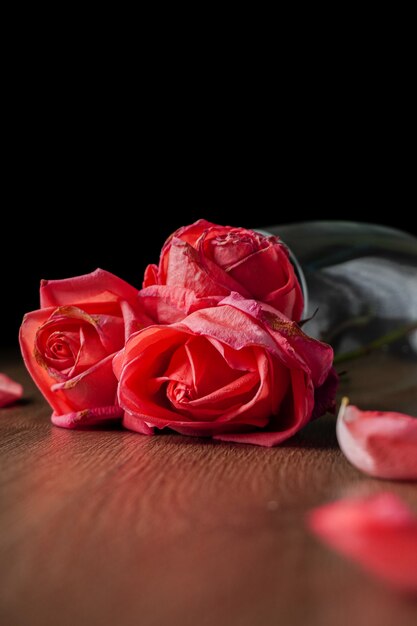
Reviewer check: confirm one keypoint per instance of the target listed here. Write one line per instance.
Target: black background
(283, 131)
(63, 175)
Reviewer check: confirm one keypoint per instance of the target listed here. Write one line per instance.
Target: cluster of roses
(210, 346)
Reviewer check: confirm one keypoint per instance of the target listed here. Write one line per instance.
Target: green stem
(385, 340)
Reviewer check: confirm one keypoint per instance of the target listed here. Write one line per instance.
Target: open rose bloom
(68, 345)
(239, 371)
(202, 263)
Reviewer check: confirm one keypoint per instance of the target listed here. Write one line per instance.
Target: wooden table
(108, 527)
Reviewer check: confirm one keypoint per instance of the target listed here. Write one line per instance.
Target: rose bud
(202, 263)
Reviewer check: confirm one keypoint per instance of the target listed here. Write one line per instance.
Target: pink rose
(10, 391)
(202, 263)
(240, 372)
(69, 343)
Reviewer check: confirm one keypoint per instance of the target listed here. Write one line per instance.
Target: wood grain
(110, 527)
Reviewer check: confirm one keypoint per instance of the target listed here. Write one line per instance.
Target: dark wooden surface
(109, 527)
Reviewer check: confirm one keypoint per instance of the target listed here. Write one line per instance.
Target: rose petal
(378, 532)
(10, 391)
(186, 270)
(282, 291)
(98, 286)
(317, 356)
(324, 396)
(382, 444)
(88, 417)
(164, 304)
(151, 275)
(189, 234)
(96, 385)
(279, 430)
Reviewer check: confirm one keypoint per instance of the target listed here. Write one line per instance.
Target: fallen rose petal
(378, 532)
(381, 444)
(10, 391)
